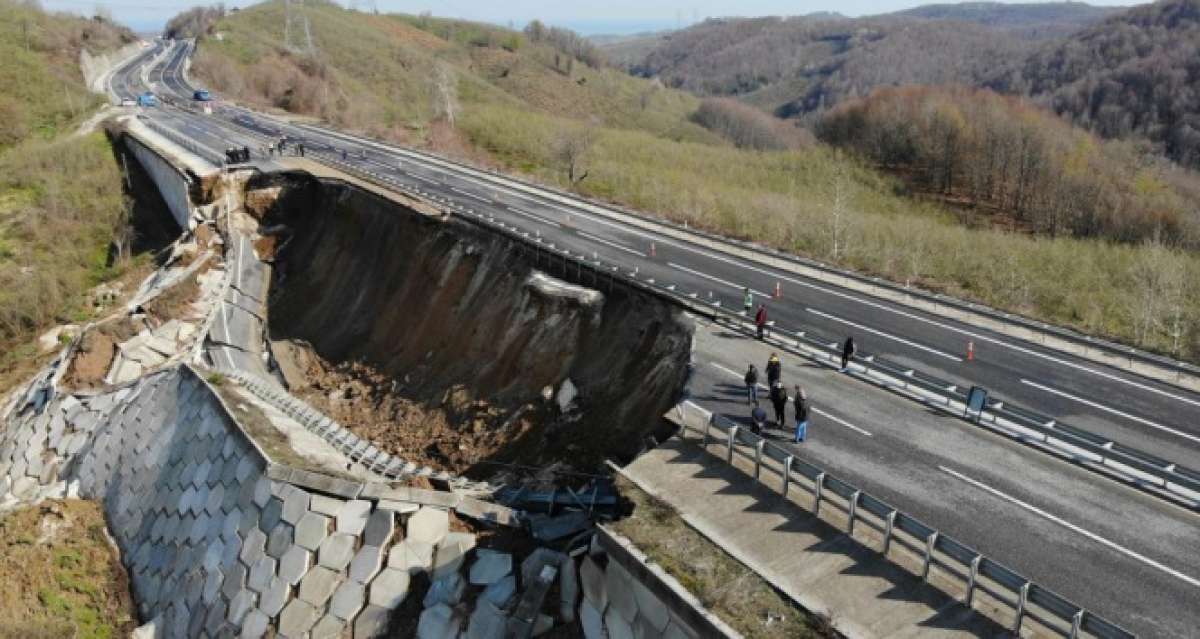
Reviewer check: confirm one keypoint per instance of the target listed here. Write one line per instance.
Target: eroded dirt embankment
(440, 341)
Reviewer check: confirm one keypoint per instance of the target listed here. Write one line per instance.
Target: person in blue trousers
(751, 380)
(800, 399)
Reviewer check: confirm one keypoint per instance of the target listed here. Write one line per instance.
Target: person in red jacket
(760, 319)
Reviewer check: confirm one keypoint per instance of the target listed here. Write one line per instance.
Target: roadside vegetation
(726, 587)
(510, 99)
(60, 576)
(61, 195)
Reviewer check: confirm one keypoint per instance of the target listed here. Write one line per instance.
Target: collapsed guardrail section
(977, 572)
(1148, 470)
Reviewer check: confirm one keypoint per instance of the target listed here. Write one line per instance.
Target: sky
(587, 17)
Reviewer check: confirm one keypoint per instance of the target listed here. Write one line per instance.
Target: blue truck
(147, 99)
(201, 95)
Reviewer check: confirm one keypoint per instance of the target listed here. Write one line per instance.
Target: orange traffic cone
(970, 351)
(778, 291)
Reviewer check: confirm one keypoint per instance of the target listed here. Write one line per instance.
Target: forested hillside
(1134, 74)
(531, 105)
(1005, 158)
(798, 66)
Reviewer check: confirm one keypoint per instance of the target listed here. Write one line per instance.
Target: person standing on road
(801, 401)
(774, 370)
(779, 400)
(751, 380)
(848, 349)
(747, 301)
(760, 319)
(300, 149)
(758, 419)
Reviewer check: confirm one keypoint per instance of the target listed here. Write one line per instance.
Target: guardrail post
(929, 542)
(787, 474)
(707, 426)
(732, 433)
(1022, 601)
(817, 488)
(1076, 624)
(887, 533)
(758, 450)
(972, 578)
(853, 509)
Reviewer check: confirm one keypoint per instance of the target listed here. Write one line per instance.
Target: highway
(1113, 549)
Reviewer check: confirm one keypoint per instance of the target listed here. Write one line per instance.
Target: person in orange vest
(760, 319)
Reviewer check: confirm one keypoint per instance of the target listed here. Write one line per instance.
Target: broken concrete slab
(445, 590)
(428, 525)
(489, 567)
(438, 622)
(486, 622)
(501, 592)
(389, 589)
(411, 556)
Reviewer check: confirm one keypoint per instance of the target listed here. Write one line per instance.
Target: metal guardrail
(1169, 475)
(191, 145)
(952, 557)
(1110, 346)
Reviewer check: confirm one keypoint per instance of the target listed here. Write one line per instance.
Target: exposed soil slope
(404, 311)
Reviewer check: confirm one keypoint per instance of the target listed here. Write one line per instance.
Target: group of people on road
(779, 399)
(760, 316)
(235, 155)
(281, 146)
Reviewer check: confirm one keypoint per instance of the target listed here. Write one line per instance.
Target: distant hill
(1134, 74)
(797, 66)
(1034, 20)
(396, 75)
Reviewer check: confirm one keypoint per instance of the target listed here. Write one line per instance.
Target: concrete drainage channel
(240, 510)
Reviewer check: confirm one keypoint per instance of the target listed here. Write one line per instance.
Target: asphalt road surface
(1112, 549)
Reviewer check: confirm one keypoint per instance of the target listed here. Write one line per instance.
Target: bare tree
(446, 92)
(838, 211)
(571, 149)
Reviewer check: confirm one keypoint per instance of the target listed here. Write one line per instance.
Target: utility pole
(300, 18)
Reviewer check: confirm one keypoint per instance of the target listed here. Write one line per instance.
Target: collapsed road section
(442, 343)
(276, 425)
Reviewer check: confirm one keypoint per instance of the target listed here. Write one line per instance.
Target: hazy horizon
(616, 17)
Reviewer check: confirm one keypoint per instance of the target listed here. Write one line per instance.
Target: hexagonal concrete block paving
(294, 563)
(311, 530)
(329, 627)
(381, 526)
(371, 622)
(347, 600)
(318, 585)
(297, 618)
(352, 518)
(272, 600)
(389, 589)
(411, 556)
(428, 525)
(366, 563)
(337, 551)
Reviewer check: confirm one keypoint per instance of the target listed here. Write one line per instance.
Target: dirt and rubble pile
(442, 341)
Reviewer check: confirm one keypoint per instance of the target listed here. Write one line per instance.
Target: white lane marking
(421, 178)
(471, 195)
(241, 257)
(619, 247)
(424, 162)
(818, 411)
(1072, 527)
(715, 279)
(1088, 402)
(534, 216)
(684, 246)
(868, 329)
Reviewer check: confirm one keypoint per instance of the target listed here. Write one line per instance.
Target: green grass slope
(60, 194)
(520, 110)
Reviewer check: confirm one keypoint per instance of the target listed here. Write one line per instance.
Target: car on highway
(128, 102)
(201, 95)
(147, 99)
